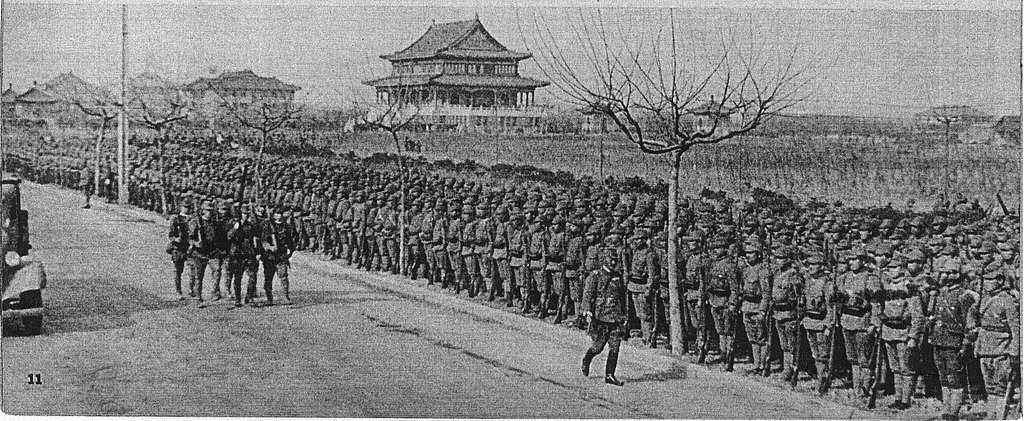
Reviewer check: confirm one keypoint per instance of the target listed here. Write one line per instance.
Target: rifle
(876, 370)
(1011, 385)
(825, 379)
(705, 313)
(798, 339)
(1002, 204)
(736, 321)
(766, 359)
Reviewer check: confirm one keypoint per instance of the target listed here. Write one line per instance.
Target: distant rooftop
(461, 39)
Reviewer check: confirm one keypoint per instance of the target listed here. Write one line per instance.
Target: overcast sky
(876, 62)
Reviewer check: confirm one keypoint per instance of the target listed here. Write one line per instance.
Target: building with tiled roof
(243, 86)
(458, 76)
(8, 99)
(71, 88)
(36, 102)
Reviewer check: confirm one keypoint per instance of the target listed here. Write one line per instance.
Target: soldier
(357, 214)
(470, 257)
(819, 314)
(787, 287)
(221, 249)
(998, 344)
(178, 246)
(427, 240)
(387, 220)
(643, 282)
(756, 280)
(414, 242)
(278, 243)
(902, 320)
(535, 256)
(456, 225)
(482, 232)
(501, 277)
(440, 266)
(696, 270)
(85, 185)
(554, 269)
(604, 303)
(949, 336)
(518, 237)
(858, 292)
(574, 273)
(722, 291)
(242, 256)
(202, 234)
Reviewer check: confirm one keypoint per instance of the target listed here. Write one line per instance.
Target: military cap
(993, 271)
(594, 230)
(616, 230)
(207, 205)
(781, 252)
(948, 266)
(886, 223)
(896, 262)
(751, 247)
(884, 248)
(501, 210)
(558, 220)
(918, 221)
(1006, 246)
(815, 259)
(988, 247)
(689, 238)
(719, 243)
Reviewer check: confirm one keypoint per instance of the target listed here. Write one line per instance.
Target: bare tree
(665, 103)
(263, 116)
(106, 110)
(159, 113)
(393, 116)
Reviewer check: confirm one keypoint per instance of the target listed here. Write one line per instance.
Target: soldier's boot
(563, 308)
(270, 297)
(909, 390)
(900, 384)
(525, 294)
(951, 401)
(542, 309)
(490, 295)
(821, 368)
(609, 369)
(787, 367)
(587, 358)
(755, 355)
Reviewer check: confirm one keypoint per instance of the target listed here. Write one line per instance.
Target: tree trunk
(163, 172)
(674, 300)
(258, 170)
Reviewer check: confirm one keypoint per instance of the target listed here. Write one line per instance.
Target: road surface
(117, 342)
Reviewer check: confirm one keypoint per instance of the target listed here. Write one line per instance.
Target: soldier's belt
(571, 266)
(855, 311)
(783, 305)
(897, 323)
(637, 279)
(516, 255)
(555, 259)
(719, 292)
(816, 315)
(1000, 329)
(535, 256)
(691, 285)
(751, 298)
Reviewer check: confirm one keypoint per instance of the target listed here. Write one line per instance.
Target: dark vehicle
(23, 279)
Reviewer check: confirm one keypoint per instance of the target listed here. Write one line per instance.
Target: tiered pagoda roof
(462, 39)
(241, 80)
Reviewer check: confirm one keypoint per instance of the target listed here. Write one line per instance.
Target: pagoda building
(457, 76)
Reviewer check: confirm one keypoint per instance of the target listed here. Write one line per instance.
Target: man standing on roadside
(242, 256)
(201, 234)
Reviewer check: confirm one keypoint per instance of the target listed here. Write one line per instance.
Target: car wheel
(33, 324)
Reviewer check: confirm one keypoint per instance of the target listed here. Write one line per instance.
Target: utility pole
(122, 126)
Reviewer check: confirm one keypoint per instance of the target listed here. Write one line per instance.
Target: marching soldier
(518, 237)
(696, 271)
(278, 242)
(604, 303)
(483, 230)
(757, 288)
(178, 246)
(242, 256)
(456, 226)
(470, 278)
(221, 250)
(535, 257)
(574, 273)
(440, 266)
(202, 236)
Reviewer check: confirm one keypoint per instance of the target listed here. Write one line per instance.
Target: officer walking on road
(604, 303)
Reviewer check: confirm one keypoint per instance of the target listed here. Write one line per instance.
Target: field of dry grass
(855, 172)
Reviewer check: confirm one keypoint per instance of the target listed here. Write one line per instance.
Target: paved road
(354, 345)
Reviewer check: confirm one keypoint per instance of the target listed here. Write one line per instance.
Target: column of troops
(920, 304)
